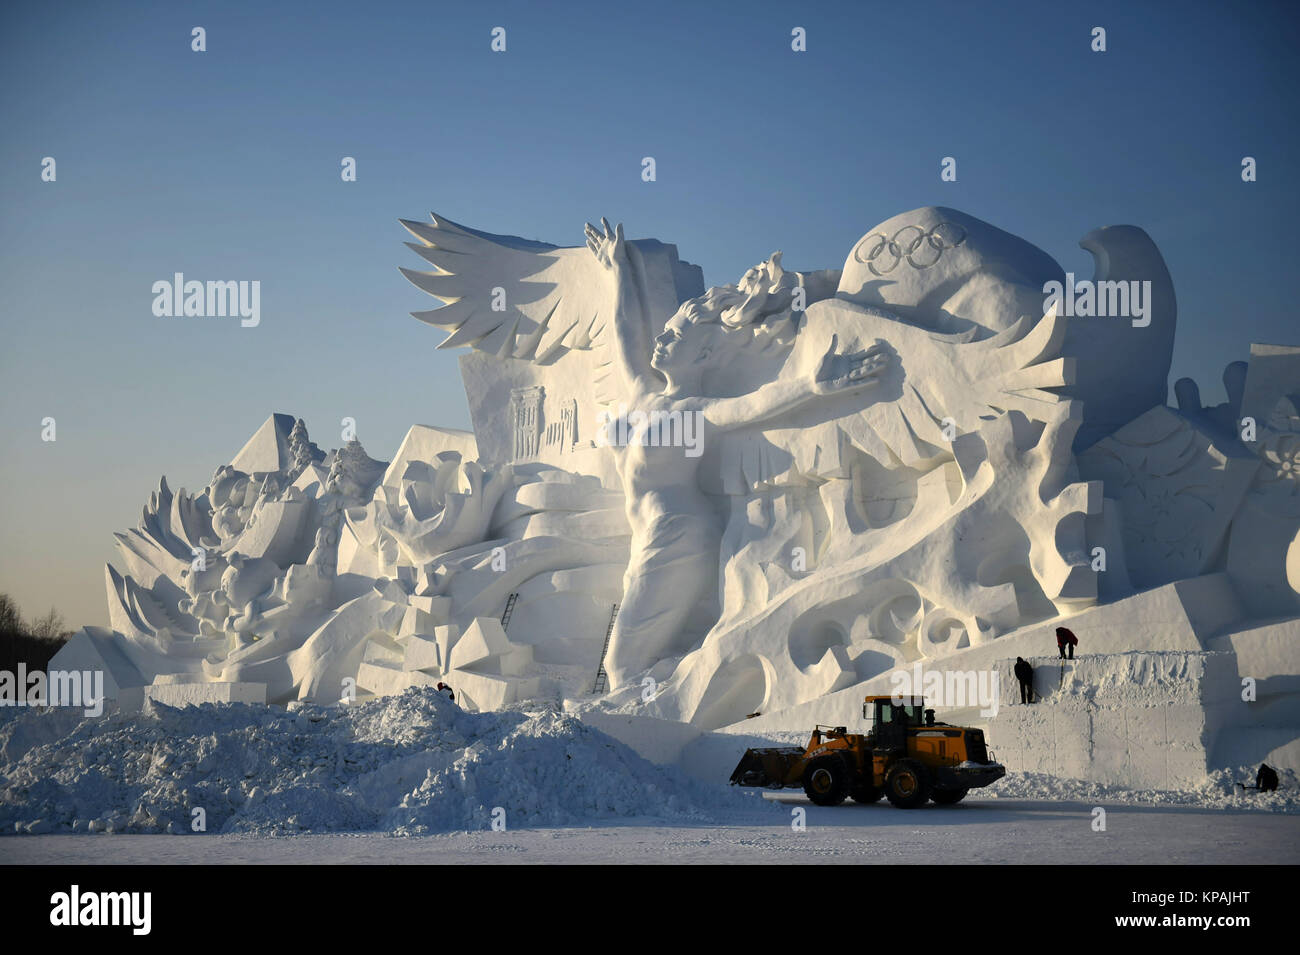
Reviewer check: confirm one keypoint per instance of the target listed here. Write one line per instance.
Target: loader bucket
(776, 767)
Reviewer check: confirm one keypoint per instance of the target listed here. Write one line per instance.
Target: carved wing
(934, 388)
(507, 296)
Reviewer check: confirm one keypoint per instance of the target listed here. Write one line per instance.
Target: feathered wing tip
(503, 295)
(458, 256)
(942, 382)
(1030, 362)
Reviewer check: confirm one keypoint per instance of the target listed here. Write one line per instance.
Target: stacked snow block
(1143, 720)
(1270, 731)
(482, 666)
(196, 694)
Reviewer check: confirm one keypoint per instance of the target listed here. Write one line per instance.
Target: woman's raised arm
(630, 324)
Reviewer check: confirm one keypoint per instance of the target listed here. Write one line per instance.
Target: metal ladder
(602, 678)
(510, 608)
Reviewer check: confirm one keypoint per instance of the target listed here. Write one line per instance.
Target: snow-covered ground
(992, 831)
(413, 778)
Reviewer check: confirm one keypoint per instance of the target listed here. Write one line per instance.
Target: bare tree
(11, 621)
(49, 627)
(30, 645)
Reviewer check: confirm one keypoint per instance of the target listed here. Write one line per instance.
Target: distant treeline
(30, 643)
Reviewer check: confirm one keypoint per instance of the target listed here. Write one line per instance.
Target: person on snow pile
(1025, 676)
(445, 690)
(1066, 638)
(1266, 778)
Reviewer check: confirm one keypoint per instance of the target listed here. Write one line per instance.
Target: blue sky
(225, 165)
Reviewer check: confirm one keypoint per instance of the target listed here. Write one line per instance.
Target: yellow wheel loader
(904, 755)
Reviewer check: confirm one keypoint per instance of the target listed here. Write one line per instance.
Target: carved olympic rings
(921, 249)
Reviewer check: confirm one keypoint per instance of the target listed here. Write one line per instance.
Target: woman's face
(683, 342)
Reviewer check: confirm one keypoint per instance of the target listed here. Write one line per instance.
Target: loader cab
(888, 719)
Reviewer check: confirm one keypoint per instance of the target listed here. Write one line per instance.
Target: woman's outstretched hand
(849, 371)
(608, 246)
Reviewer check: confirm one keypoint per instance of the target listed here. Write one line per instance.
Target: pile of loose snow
(1219, 791)
(407, 764)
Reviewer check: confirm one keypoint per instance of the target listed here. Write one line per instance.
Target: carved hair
(759, 304)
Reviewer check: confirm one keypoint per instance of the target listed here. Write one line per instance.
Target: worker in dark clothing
(445, 690)
(1025, 676)
(1265, 779)
(1064, 639)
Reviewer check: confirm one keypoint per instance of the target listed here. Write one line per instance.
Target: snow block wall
(1140, 720)
(1269, 729)
(196, 694)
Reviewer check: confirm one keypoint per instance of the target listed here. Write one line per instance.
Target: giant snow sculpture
(751, 497)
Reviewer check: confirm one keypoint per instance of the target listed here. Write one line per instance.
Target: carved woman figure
(670, 586)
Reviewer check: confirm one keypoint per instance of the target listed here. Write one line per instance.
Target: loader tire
(948, 797)
(908, 784)
(867, 794)
(826, 781)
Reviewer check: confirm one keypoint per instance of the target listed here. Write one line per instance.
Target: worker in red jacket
(1064, 639)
